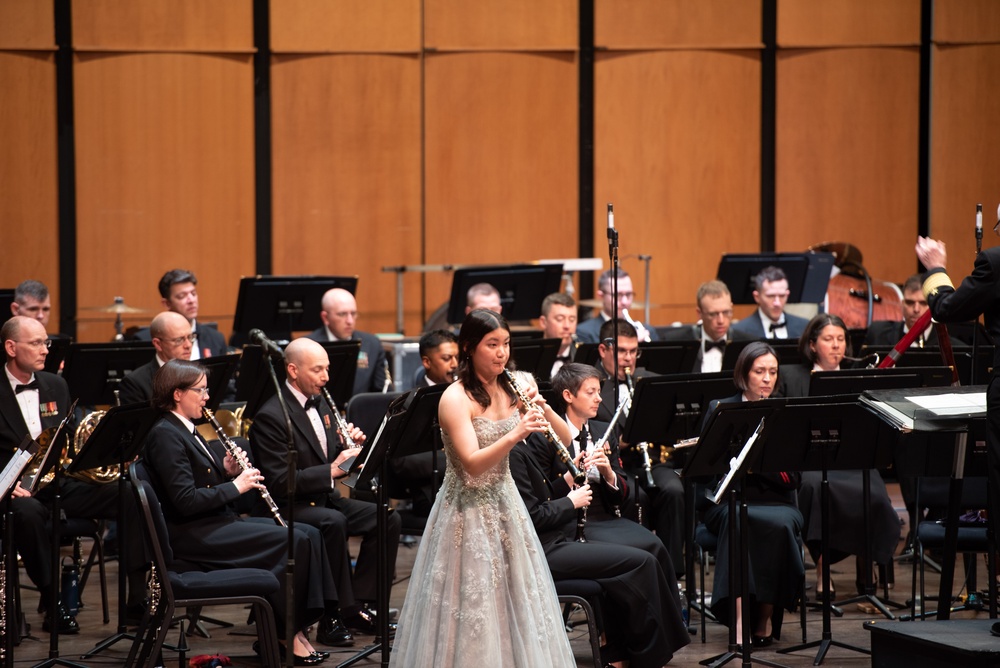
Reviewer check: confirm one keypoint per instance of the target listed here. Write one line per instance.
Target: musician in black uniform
(32, 400)
(887, 333)
(173, 340)
(318, 502)
(775, 524)
(979, 293)
(558, 321)
(196, 486)
(179, 293)
(589, 330)
(642, 617)
(666, 499)
(713, 330)
(339, 315)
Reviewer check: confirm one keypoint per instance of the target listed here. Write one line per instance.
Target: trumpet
(579, 476)
(647, 464)
(241, 459)
(342, 428)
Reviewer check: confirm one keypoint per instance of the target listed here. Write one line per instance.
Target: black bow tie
(776, 325)
(583, 435)
(721, 345)
(33, 385)
(312, 402)
(562, 358)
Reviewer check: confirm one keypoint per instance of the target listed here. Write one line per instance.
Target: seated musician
(32, 400)
(770, 321)
(558, 321)
(482, 295)
(195, 487)
(823, 346)
(666, 496)
(775, 559)
(887, 333)
(340, 316)
(589, 330)
(179, 293)
(318, 501)
(643, 622)
(713, 329)
(173, 340)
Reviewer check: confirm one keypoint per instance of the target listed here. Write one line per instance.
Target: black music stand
(58, 350)
(535, 355)
(930, 357)
(587, 353)
(407, 429)
(280, 305)
(916, 426)
(522, 288)
(254, 385)
(668, 357)
(6, 299)
(93, 371)
(117, 439)
(730, 447)
(832, 433)
(220, 371)
(668, 409)
(12, 472)
(787, 349)
(808, 274)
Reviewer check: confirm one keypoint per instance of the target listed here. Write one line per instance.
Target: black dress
(775, 555)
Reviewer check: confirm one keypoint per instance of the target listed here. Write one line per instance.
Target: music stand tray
(522, 288)
(117, 438)
(667, 409)
(668, 357)
(220, 370)
(808, 274)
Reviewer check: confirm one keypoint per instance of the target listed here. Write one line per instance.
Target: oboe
(241, 459)
(647, 464)
(342, 429)
(579, 476)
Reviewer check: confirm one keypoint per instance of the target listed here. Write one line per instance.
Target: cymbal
(117, 307)
(598, 303)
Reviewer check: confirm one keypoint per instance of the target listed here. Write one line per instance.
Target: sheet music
(15, 467)
(736, 462)
(952, 403)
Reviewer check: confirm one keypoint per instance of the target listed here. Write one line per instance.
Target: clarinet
(244, 463)
(647, 464)
(578, 476)
(342, 428)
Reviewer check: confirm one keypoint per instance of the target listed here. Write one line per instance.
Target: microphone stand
(975, 323)
(613, 253)
(292, 459)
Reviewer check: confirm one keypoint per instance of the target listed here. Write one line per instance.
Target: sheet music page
(951, 403)
(12, 472)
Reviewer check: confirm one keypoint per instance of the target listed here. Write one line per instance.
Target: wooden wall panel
(29, 192)
(677, 151)
(164, 179)
(500, 159)
(300, 26)
(847, 140)
(965, 143)
(647, 24)
(501, 24)
(848, 23)
(347, 175)
(163, 25)
(26, 24)
(966, 21)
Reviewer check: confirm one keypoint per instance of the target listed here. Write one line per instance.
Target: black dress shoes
(313, 659)
(331, 631)
(65, 622)
(365, 621)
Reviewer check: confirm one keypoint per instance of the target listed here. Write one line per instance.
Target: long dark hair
(811, 334)
(475, 327)
(746, 359)
(174, 375)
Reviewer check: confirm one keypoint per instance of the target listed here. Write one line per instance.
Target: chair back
(154, 527)
(367, 409)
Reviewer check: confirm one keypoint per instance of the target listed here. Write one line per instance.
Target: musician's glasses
(37, 343)
(203, 391)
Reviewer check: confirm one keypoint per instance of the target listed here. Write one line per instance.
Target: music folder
(928, 408)
(15, 466)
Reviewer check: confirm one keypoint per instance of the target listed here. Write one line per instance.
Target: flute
(241, 459)
(342, 428)
(578, 476)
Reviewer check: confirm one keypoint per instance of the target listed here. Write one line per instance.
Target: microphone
(979, 227)
(261, 339)
(612, 232)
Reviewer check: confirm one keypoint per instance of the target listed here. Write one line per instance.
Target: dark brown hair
(475, 327)
(746, 359)
(174, 375)
(811, 333)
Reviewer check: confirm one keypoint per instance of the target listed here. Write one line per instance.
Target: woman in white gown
(480, 592)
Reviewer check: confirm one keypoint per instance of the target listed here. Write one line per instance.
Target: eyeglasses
(38, 343)
(637, 353)
(203, 391)
(192, 337)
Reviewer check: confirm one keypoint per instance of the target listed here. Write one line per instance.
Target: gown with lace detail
(480, 593)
